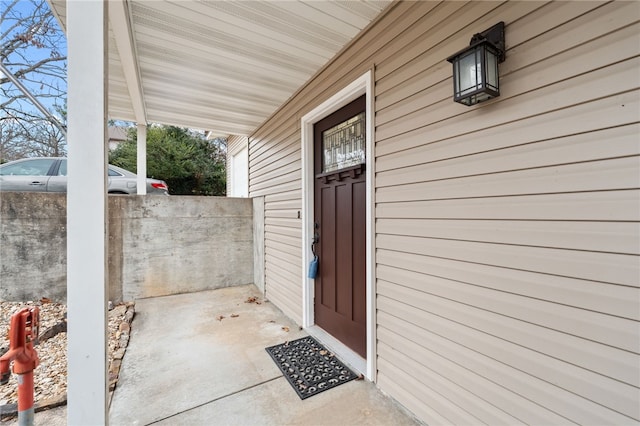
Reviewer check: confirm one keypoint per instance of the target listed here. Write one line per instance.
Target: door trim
(361, 86)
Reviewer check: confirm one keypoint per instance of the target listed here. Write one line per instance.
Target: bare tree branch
(33, 67)
(33, 48)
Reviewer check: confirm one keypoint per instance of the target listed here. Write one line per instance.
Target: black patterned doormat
(309, 367)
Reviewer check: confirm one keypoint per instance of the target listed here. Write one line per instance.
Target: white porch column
(87, 213)
(142, 159)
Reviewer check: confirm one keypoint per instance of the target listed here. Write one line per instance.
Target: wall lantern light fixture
(475, 69)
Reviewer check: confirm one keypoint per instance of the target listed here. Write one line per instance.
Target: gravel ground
(50, 377)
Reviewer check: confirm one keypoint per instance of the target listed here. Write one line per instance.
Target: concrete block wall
(157, 245)
(33, 246)
(174, 245)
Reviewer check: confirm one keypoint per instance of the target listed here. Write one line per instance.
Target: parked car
(50, 175)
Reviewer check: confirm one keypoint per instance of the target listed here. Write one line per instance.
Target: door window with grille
(343, 145)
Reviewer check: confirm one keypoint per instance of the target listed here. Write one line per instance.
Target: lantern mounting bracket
(495, 36)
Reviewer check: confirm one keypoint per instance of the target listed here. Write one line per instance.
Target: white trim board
(361, 86)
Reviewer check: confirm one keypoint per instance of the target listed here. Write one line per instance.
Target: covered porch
(223, 67)
(498, 242)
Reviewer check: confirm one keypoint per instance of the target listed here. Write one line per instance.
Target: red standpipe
(23, 331)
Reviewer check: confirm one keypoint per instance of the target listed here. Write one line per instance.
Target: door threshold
(344, 353)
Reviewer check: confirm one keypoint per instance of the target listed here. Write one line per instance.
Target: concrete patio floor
(187, 366)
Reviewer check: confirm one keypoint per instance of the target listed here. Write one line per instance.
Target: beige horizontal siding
(486, 156)
(444, 141)
(508, 234)
(481, 360)
(274, 172)
(590, 206)
(611, 237)
(414, 391)
(492, 227)
(281, 230)
(582, 89)
(261, 156)
(611, 299)
(434, 382)
(286, 182)
(284, 282)
(412, 184)
(604, 267)
(540, 313)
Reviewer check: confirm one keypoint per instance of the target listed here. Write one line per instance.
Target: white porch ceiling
(223, 66)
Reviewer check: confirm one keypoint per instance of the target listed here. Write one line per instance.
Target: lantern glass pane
(468, 68)
(456, 77)
(492, 69)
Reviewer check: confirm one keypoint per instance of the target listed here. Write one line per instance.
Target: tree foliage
(33, 49)
(190, 164)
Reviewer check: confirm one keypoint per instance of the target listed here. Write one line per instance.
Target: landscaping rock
(50, 377)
